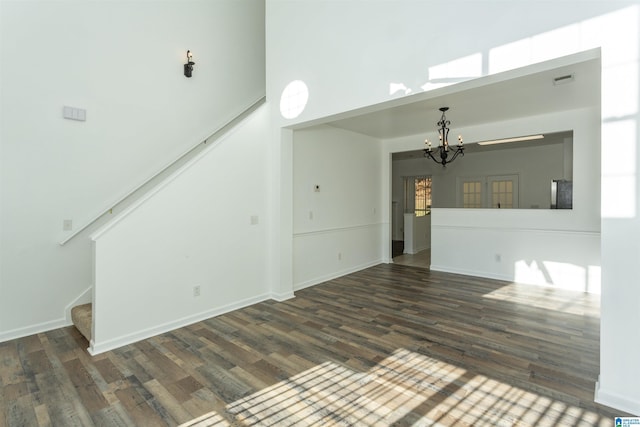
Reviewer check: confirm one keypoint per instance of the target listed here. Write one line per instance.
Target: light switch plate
(73, 113)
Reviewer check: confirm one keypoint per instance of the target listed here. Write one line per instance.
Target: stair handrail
(215, 135)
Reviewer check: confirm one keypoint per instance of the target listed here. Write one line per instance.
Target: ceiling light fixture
(443, 147)
(515, 139)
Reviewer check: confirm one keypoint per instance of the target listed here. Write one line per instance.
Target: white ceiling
(518, 93)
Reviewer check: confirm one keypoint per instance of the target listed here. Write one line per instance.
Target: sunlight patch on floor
(406, 388)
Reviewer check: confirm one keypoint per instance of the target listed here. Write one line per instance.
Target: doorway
(411, 211)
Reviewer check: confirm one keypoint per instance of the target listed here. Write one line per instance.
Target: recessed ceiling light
(515, 139)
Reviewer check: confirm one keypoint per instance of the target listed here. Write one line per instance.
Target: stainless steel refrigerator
(561, 194)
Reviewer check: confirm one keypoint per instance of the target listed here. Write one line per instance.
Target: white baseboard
(416, 250)
(282, 296)
(51, 324)
(33, 329)
(100, 347)
(334, 275)
(616, 401)
(509, 278)
(465, 272)
(422, 248)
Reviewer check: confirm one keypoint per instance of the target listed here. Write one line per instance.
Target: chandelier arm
(428, 153)
(458, 151)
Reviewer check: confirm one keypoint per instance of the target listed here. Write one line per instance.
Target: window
(417, 195)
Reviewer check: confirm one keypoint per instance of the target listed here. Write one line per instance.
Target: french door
(492, 191)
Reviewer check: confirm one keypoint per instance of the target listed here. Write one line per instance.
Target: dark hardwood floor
(390, 345)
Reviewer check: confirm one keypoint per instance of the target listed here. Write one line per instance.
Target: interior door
(502, 191)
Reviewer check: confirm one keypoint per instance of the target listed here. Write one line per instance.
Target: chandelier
(443, 150)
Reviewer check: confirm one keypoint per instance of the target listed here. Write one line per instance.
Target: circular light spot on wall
(293, 100)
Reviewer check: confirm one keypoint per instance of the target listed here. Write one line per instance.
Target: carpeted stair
(81, 316)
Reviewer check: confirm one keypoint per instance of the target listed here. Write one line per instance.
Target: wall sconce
(188, 67)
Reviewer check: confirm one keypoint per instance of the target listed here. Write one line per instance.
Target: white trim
(494, 276)
(335, 275)
(100, 347)
(519, 230)
(50, 324)
(282, 296)
(337, 229)
(613, 400)
(33, 329)
(419, 249)
(474, 273)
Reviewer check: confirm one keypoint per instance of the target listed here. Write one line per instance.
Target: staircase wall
(193, 249)
(121, 61)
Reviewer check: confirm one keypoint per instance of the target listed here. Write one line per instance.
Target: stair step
(82, 318)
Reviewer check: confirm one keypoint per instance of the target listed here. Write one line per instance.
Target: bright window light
(510, 56)
(618, 196)
(619, 169)
(545, 46)
(606, 31)
(619, 79)
(294, 99)
(619, 148)
(398, 87)
(466, 67)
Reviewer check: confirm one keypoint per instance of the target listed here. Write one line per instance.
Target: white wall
(207, 228)
(417, 233)
(374, 48)
(337, 229)
(122, 62)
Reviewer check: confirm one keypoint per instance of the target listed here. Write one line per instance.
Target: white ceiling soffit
(516, 93)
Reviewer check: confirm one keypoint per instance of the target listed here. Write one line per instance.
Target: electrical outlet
(339, 256)
(67, 225)
(498, 258)
(196, 291)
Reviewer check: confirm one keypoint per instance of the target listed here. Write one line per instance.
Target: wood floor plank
(109, 371)
(138, 409)
(389, 345)
(168, 401)
(85, 386)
